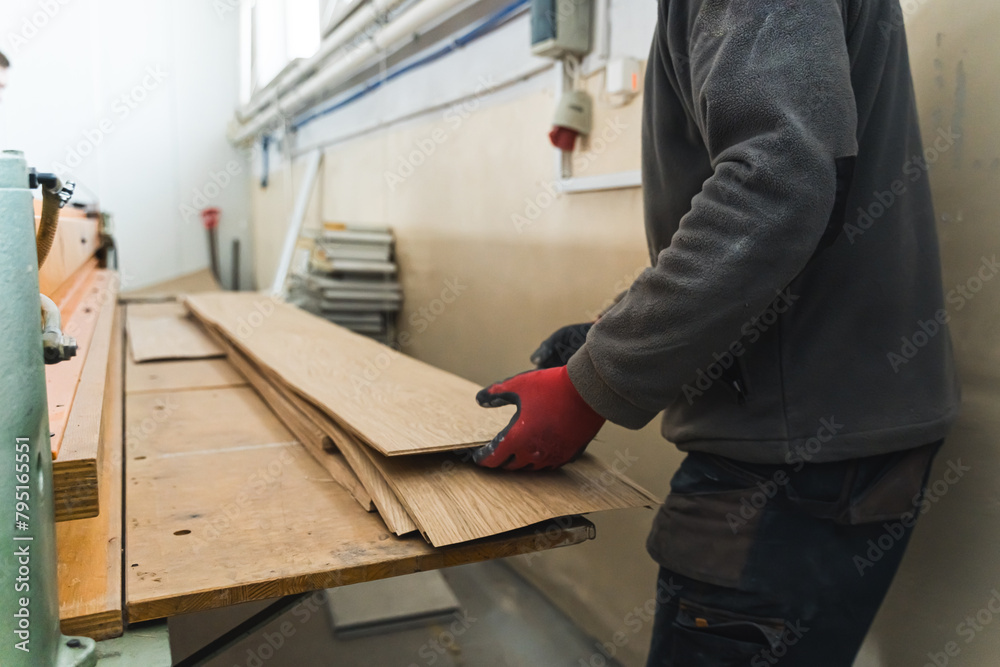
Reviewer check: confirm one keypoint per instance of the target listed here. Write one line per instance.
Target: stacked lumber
(350, 280)
(223, 505)
(76, 393)
(89, 550)
(396, 432)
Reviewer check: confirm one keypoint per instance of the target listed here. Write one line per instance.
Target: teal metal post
(29, 595)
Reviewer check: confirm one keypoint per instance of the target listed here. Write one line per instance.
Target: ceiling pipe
(337, 12)
(397, 31)
(356, 24)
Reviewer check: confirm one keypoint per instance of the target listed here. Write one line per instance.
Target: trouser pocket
(706, 536)
(895, 490)
(709, 637)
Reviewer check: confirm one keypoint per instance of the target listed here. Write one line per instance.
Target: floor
(504, 622)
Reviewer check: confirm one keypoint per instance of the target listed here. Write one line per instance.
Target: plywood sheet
(89, 550)
(213, 520)
(395, 403)
(452, 500)
(180, 374)
(169, 290)
(164, 331)
(75, 469)
(307, 432)
(175, 424)
(62, 379)
(382, 495)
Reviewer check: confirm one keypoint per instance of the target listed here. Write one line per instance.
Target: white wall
(131, 100)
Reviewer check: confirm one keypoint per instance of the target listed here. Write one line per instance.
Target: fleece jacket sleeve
(770, 92)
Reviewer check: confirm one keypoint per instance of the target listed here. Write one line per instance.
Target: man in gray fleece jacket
(792, 327)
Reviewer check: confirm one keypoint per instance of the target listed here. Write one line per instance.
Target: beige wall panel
(952, 569)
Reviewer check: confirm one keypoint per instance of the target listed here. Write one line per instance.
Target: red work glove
(552, 425)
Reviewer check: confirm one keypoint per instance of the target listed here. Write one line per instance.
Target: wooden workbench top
(223, 506)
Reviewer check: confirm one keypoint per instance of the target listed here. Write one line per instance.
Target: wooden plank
(452, 500)
(382, 495)
(449, 499)
(62, 379)
(394, 403)
(307, 432)
(89, 550)
(162, 376)
(169, 290)
(211, 521)
(164, 331)
(174, 424)
(72, 291)
(74, 471)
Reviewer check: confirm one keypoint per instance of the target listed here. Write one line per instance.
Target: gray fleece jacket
(794, 307)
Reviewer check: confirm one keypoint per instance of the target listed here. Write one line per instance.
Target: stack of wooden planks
(90, 549)
(76, 390)
(394, 431)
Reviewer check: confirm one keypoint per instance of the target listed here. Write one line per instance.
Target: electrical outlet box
(561, 27)
(623, 76)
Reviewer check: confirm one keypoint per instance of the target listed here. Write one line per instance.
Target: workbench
(220, 505)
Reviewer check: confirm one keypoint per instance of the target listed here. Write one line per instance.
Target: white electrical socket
(623, 76)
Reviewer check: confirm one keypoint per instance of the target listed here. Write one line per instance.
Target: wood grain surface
(169, 290)
(391, 401)
(181, 374)
(306, 431)
(89, 550)
(453, 500)
(158, 331)
(62, 379)
(224, 507)
(75, 469)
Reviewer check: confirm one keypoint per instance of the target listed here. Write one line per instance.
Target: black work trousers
(781, 564)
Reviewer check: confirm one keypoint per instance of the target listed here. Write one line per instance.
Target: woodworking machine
(29, 604)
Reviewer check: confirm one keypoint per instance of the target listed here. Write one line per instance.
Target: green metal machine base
(29, 594)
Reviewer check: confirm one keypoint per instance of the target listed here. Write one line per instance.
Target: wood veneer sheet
(394, 403)
(164, 331)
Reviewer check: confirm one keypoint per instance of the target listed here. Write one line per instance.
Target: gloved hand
(560, 346)
(552, 425)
